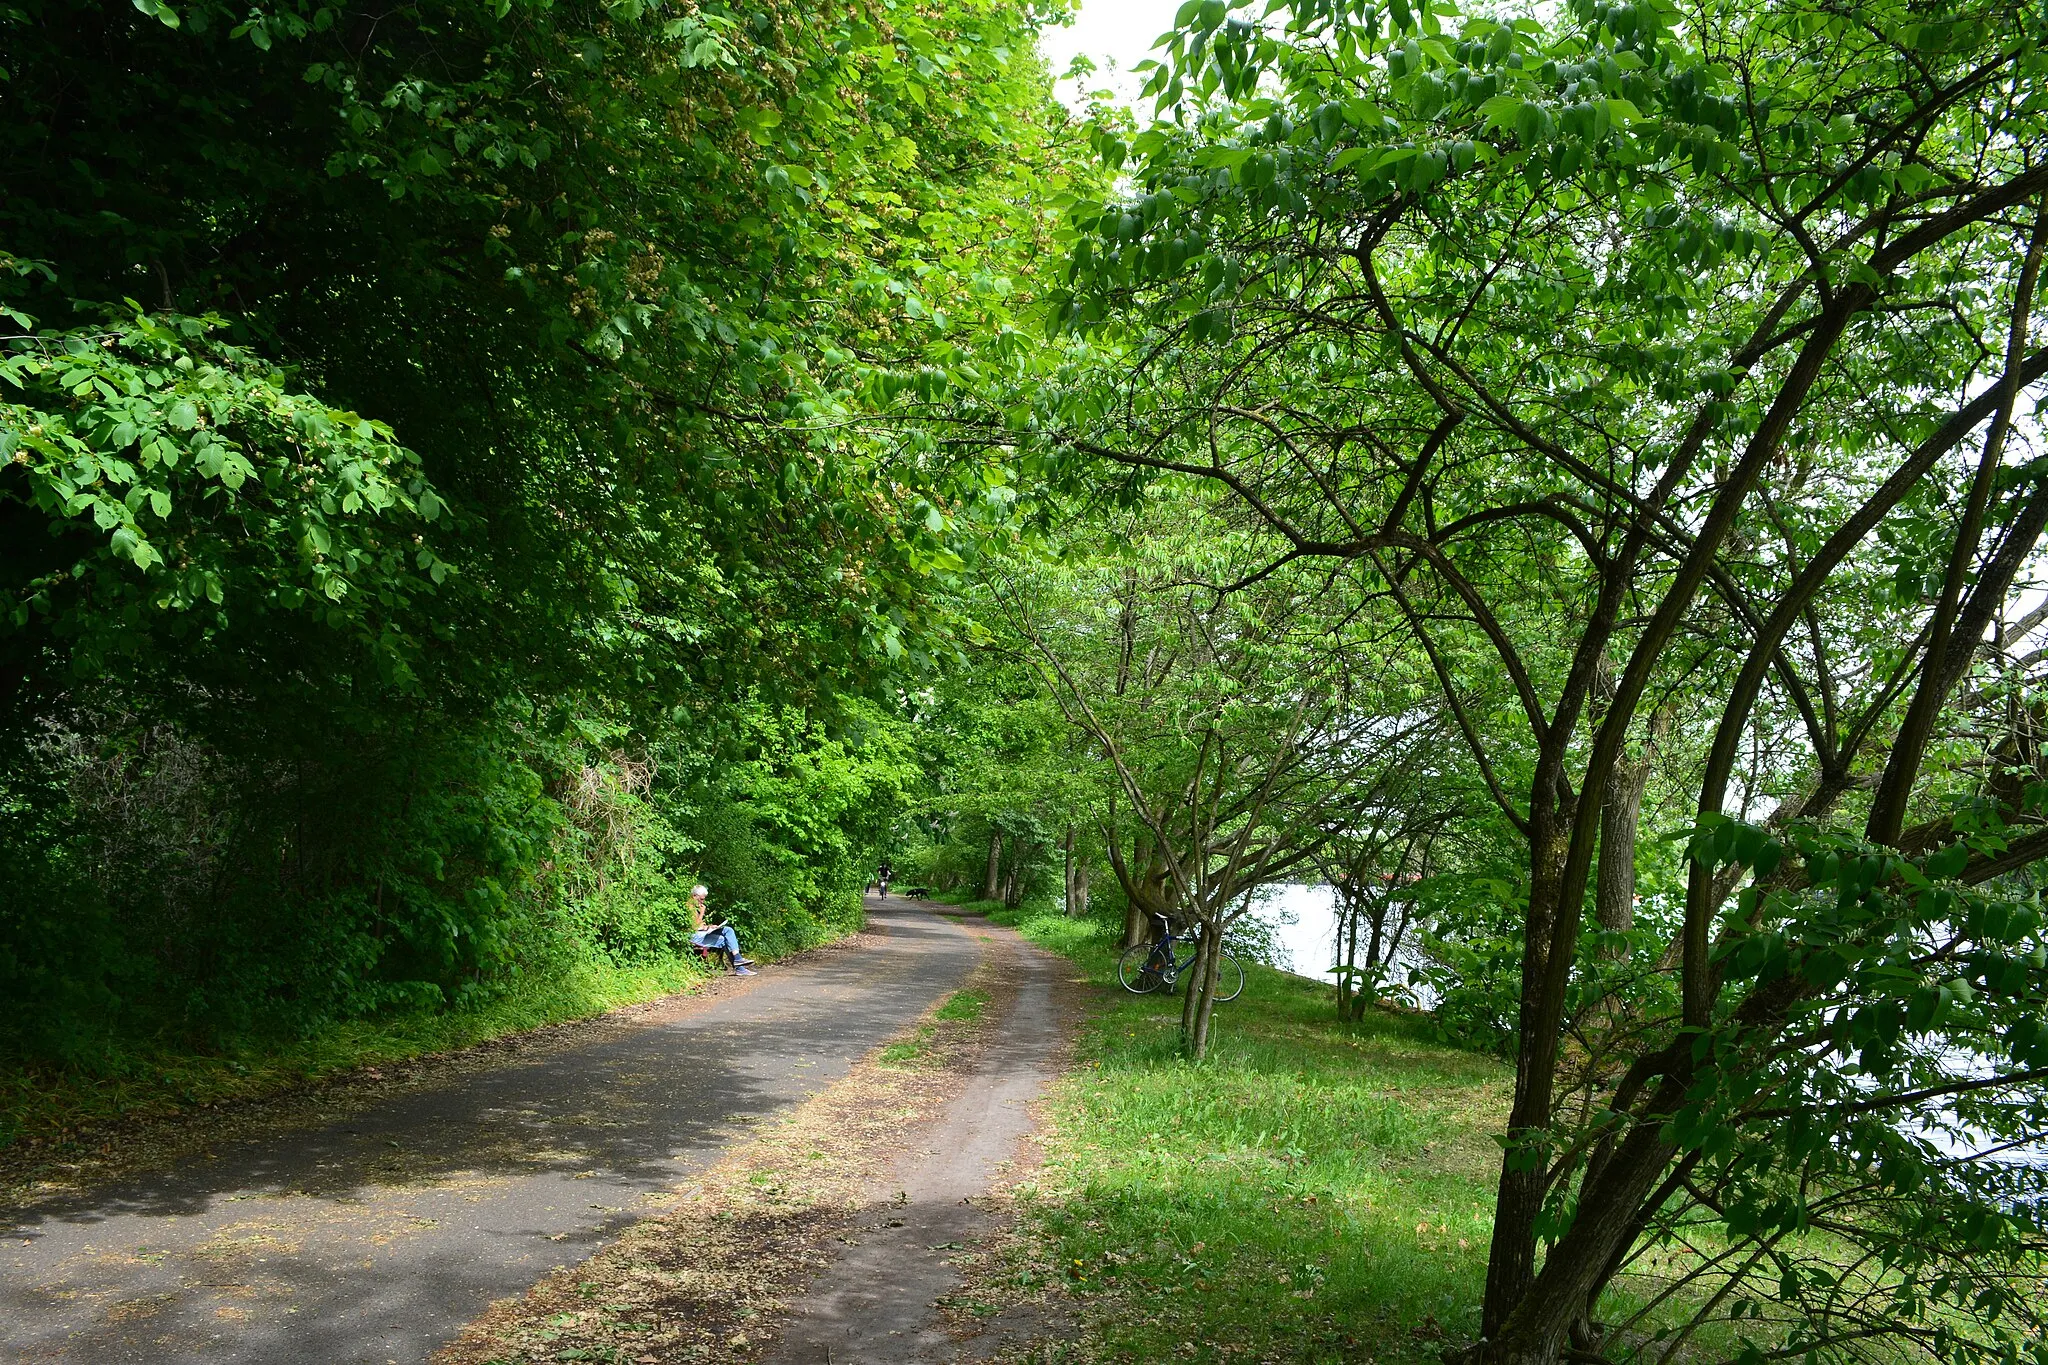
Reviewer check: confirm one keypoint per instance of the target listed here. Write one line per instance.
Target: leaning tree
(1668, 372)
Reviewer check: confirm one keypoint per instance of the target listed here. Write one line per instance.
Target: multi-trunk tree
(1668, 372)
(1240, 722)
(1371, 867)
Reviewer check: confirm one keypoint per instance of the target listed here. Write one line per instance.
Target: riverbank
(1316, 1191)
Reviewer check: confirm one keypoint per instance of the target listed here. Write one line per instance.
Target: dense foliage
(1569, 479)
(1598, 348)
(430, 524)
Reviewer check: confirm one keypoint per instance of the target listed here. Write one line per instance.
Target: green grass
(905, 1053)
(965, 1006)
(968, 902)
(961, 1007)
(50, 1108)
(1314, 1191)
(1087, 941)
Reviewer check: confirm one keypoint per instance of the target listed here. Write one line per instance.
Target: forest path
(883, 1298)
(375, 1238)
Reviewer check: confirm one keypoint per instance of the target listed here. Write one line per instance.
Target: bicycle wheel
(1229, 979)
(1138, 970)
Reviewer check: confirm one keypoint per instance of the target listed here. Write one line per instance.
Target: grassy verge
(962, 1007)
(54, 1112)
(967, 902)
(1316, 1191)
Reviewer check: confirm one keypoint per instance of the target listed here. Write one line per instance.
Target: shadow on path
(375, 1238)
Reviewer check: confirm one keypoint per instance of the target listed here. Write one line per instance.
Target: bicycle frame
(1163, 961)
(1147, 967)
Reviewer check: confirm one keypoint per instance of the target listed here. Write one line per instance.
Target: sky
(1108, 32)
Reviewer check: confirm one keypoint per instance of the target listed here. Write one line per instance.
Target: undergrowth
(55, 1107)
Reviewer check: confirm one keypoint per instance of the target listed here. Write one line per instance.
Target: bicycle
(1148, 967)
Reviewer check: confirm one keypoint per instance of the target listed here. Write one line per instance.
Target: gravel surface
(375, 1238)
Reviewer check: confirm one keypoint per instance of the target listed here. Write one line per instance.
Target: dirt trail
(874, 1223)
(376, 1238)
(880, 1301)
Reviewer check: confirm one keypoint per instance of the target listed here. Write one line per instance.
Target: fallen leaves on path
(705, 1279)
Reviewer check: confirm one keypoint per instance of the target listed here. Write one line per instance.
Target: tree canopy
(1570, 476)
(1605, 346)
(463, 398)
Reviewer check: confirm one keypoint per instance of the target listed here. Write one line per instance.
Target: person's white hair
(700, 890)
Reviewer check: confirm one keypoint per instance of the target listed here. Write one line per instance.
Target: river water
(1304, 923)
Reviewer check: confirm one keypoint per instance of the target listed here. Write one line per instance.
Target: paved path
(374, 1239)
(876, 1304)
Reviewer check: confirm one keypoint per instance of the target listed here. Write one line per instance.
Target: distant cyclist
(882, 874)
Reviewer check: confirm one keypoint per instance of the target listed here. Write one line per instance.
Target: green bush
(160, 886)
(640, 916)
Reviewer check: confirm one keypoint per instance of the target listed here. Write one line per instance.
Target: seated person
(718, 935)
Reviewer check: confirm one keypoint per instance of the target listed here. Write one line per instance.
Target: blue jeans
(722, 937)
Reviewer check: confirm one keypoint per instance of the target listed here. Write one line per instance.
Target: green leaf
(1949, 861)
(1501, 111)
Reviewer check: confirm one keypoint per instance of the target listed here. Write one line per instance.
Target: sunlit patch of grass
(909, 1051)
(1085, 940)
(1313, 1191)
(952, 1023)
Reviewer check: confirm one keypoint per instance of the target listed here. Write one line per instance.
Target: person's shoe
(743, 962)
(744, 971)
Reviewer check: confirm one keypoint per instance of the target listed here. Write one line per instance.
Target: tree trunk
(1347, 955)
(1393, 948)
(1067, 877)
(1146, 893)
(1191, 990)
(994, 887)
(1372, 954)
(1511, 1260)
(1013, 883)
(1536, 1332)
(1207, 966)
(1614, 893)
(1138, 903)
(1079, 907)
